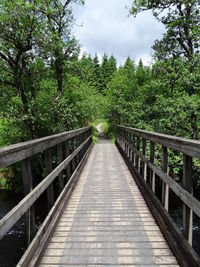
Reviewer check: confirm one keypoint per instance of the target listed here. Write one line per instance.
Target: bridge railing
(71, 148)
(133, 143)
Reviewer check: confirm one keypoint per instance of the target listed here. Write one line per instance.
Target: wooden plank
(111, 228)
(105, 265)
(107, 252)
(109, 245)
(145, 260)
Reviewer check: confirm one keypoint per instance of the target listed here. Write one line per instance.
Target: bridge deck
(107, 222)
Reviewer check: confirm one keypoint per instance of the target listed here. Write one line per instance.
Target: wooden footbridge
(108, 204)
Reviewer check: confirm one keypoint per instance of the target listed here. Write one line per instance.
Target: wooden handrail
(186, 197)
(186, 146)
(15, 153)
(18, 211)
(75, 143)
(130, 140)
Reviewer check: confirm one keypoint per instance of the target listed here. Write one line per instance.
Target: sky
(103, 26)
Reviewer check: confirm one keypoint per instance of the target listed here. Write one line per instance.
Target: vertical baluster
(127, 147)
(131, 151)
(118, 138)
(81, 141)
(152, 159)
(165, 187)
(137, 157)
(78, 144)
(75, 147)
(48, 166)
(125, 142)
(68, 172)
(73, 160)
(188, 185)
(144, 165)
(134, 154)
(121, 138)
(59, 160)
(28, 186)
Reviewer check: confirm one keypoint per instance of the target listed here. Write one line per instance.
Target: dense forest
(47, 87)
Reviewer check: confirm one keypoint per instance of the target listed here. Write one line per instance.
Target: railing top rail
(187, 146)
(17, 152)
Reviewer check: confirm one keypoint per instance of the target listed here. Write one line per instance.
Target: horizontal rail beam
(15, 153)
(186, 146)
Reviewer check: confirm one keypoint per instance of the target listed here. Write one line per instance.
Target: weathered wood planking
(107, 222)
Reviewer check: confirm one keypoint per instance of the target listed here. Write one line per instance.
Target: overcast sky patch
(106, 28)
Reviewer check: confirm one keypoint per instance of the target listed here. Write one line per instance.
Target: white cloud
(107, 28)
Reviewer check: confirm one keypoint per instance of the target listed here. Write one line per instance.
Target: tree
(108, 68)
(20, 28)
(179, 45)
(60, 45)
(96, 72)
(182, 22)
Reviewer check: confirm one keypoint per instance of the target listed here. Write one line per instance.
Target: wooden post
(73, 160)
(188, 185)
(128, 149)
(78, 144)
(165, 187)
(123, 134)
(131, 151)
(48, 167)
(28, 186)
(59, 160)
(126, 143)
(152, 159)
(137, 157)
(144, 165)
(66, 155)
(134, 155)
